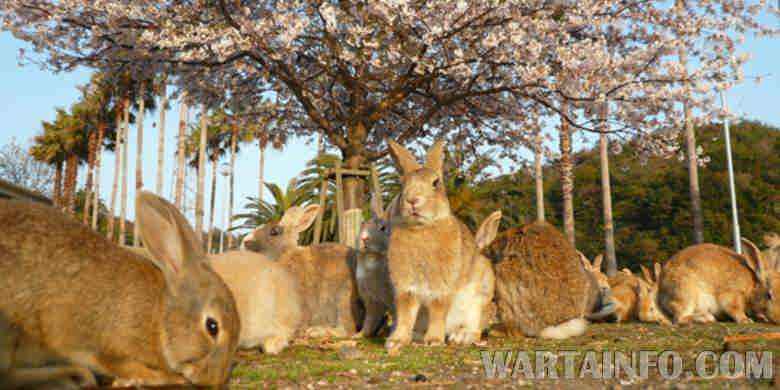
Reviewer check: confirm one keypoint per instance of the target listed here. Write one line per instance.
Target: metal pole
(727, 136)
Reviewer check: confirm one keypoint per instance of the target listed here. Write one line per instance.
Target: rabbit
(647, 297)
(542, 289)
(373, 278)
(432, 258)
(24, 363)
(323, 273)
(772, 253)
(704, 282)
(601, 305)
(267, 298)
(170, 320)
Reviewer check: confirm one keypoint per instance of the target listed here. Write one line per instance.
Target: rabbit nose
(414, 201)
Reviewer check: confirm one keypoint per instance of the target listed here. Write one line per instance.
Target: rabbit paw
(127, 382)
(433, 341)
(393, 345)
(463, 337)
(274, 345)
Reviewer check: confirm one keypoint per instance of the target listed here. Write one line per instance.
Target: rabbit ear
(646, 274)
(300, 218)
(751, 252)
(488, 229)
(772, 240)
(656, 271)
(403, 157)
(167, 235)
(435, 158)
(627, 271)
(597, 261)
(376, 206)
(585, 262)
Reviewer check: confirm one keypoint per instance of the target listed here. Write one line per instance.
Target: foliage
(19, 167)
(651, 205)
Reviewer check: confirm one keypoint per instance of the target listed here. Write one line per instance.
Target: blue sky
(30, 94)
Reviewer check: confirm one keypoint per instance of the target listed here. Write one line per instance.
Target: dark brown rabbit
(542, 288)
(170, 320)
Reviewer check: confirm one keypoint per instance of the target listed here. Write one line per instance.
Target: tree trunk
(139, 151)
(180, 154)
(606, 193)
(261, 176)
(691, 157)
(212, 204)
(123, 196)
(117, 168)
(231, 184)
(567, 175)
(71, 174)
(91, 152)
(538, 176)
(57, 192)
(161, 139)
(96, 187)
(200, 191)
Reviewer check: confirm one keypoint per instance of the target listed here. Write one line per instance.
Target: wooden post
(340, 202)
(321, 213)
(376, 189)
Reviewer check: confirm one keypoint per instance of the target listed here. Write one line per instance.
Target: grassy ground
(364, 363)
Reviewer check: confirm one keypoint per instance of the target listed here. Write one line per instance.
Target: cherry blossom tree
(359, 72)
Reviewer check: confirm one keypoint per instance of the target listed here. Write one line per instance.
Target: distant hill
(650, 201)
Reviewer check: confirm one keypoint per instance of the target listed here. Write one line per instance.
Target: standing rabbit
(170, 320)
(323, 273)
(704, 282)
(433, 258)
(375, 287)
(542, 288)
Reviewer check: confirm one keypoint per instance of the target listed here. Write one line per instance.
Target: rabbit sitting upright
(433, 258)
(542, 289)
(170, 320)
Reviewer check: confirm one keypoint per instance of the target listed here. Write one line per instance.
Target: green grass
(346, 363)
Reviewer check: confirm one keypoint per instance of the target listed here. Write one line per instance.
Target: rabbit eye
(276, 230)
(436, 183)
(382, 228)
(212, 327)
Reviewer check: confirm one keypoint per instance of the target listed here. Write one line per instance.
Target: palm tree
(181, 152)
(49, 148)
(145, 101)
(538, 175)
(162, 92)
(200, 193)
(261, 212)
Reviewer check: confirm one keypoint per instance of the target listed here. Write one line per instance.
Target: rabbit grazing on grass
(433, 259)
(170, 320)
(647, 296)
(704, 282)
(323, 273)
(542, 288)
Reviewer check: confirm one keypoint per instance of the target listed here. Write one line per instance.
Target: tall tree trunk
(261, 176)
(606, 194)
(91, 152)
(691, 156)
(123, 196)
(139, 151)
(181, 169)
(96, 187)
(71, 174)
(56, 195)
(212, 204)
(200, 191)
(567, 175)
(110, 231)
(231, 184)
(538, 176)
(161, 138)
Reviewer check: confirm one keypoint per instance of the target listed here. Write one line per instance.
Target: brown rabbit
(167, 321)
(323, 273)
(624, 286)
(433, 258)
(24, 363)
(601, 304)
(267, 298)
(772, 252)
(542, 288)
(704, 282)
(647, 296)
